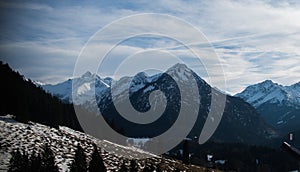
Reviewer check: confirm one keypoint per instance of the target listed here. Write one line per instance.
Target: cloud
(25, 6)
(255, 40)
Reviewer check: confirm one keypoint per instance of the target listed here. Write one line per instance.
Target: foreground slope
(63, 141)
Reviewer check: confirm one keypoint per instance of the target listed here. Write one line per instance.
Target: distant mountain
(279, 105)
(240, 123)
(82, 86)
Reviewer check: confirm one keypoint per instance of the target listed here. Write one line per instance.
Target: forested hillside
(28, 102)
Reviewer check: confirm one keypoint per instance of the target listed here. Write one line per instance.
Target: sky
(254, 40)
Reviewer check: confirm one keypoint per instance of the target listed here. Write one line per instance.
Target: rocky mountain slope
(240, 121)
(279, 105)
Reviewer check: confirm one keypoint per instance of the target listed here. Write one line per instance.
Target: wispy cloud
(25, 6)
(255, 40)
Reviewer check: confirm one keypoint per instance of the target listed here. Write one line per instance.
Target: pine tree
(25, 164)
(15, 163)
(48, 163)
(185, 154)
(35, 162)
(158, 168)
(123, 167)
(133, 166)
(79, 164)
(96, 164)
(21, 162)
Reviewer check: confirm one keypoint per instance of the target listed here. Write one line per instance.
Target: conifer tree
(79, 164)
(15, 163)
(123, 167)
(96, 164)
(158, 169)
(35, 162)
(133, 166)
(48, 160)
(25, 164)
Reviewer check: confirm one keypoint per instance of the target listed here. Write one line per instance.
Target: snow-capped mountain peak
(260, 93)
(87, 74)
(86, 85)
(179, 72)
(178, 68)
(268, 91)
(268, 83)
(279, 105)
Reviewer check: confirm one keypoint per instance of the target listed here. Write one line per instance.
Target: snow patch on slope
(63, 142)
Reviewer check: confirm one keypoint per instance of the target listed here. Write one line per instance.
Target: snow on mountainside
(240, 122)
(83, 85)
(278, 105)
(269, 92)
(179, 72)
(63, 141)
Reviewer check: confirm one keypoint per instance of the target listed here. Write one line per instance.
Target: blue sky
(255, 40)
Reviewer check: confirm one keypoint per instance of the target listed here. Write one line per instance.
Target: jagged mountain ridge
(240, 123)
(279, 105)
(82, 85)
(270, 92)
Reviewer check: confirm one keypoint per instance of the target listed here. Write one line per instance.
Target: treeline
(28, 102)
(40, 162)
(45, 161)
(235, 157)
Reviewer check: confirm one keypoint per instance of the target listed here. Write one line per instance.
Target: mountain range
(279, 105)
(240, 121)
(28, 102)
